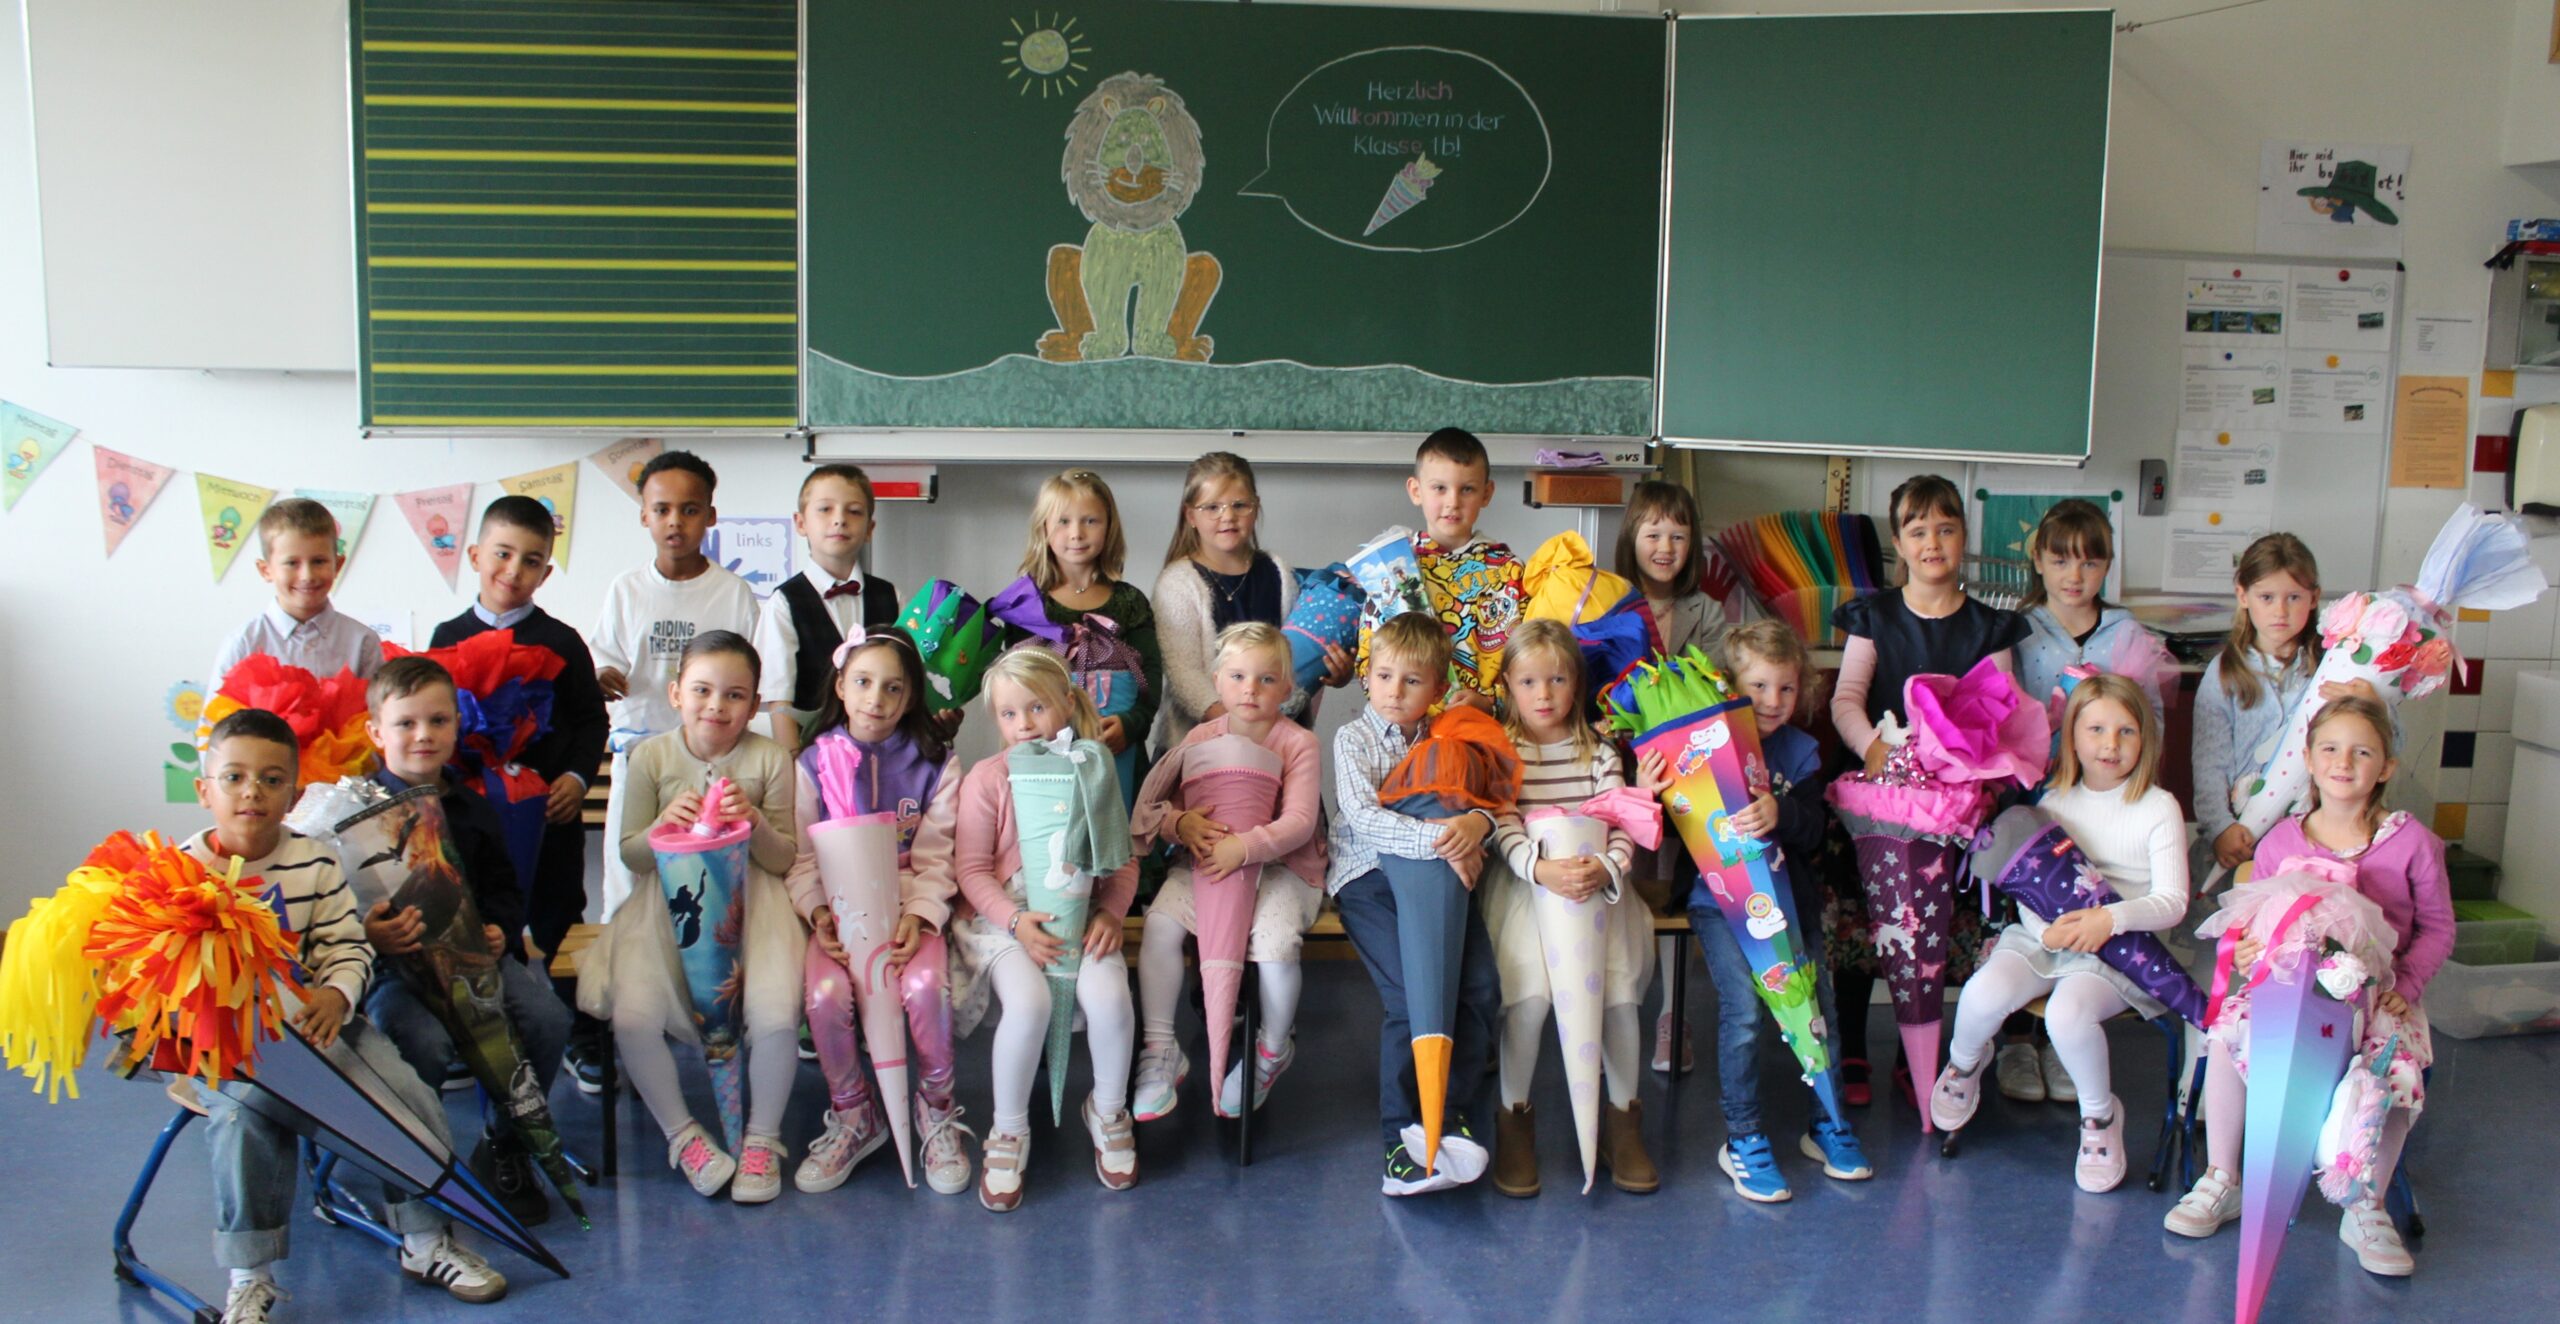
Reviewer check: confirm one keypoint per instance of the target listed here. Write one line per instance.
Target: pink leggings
(2226, 1109)
(835, 1027)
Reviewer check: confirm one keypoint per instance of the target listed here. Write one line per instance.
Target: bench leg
(612, 1097)
(1248, 1054)
(1678, 991)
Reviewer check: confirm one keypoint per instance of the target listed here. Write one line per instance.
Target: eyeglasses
(1222, 509)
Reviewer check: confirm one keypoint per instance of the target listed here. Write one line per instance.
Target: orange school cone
(1431, 1079)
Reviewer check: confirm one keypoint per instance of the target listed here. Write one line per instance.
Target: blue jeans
(536, 1013)
(255, 1167)
(1369, 918)
(1739, 1014)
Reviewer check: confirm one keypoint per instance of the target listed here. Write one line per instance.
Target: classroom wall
(2533, 87)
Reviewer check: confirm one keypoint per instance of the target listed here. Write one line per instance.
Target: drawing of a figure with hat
(2351, 187)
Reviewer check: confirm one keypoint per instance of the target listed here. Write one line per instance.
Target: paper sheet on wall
(2431, 432)
(2235, 307)
(2203, 548)
(2230, 388)
(758, 549)
(2225, 470)
(2343, 309)
(2328, 391)
(2440, 343)
(2332, 199)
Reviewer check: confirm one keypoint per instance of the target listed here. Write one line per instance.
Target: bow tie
(846, 589)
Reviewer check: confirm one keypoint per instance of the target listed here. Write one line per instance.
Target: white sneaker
(249, 1302)
(2021, 1076)
(1115, 1146)
(759, 1177)
(704, 1164)
(2368, 1230)
(946, 1155)
(2202, 1211)
(1000, 1181)
(1266, 1069)
(1955, 1097)
(462, 1274)
(1161, 1070)
(847, 1140)
(2057, 1082)
(2100, 1167)
(1662, 1047)
(1461, 1158)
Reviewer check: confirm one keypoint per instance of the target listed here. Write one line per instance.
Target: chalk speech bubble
(1405, 149)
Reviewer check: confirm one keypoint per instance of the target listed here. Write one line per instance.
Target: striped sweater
(1556, 777)
(319, 908)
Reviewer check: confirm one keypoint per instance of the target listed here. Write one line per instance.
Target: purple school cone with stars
(2038, 865)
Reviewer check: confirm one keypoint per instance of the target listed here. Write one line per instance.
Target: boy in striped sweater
(248, 783)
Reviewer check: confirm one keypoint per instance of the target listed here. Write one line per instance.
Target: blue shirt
(2228, 736)
(501, 620)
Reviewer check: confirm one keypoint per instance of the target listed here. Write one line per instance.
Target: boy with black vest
(801, 623)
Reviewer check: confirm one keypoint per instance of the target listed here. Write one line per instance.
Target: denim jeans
(255, 1167)
(1739, 1014)
(536, 1013)
(1369, 918)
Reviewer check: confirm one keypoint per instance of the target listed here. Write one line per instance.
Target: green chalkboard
(1136, 214)
(576, 214)
(1885, 232)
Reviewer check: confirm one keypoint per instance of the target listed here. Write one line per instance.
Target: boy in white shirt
(298, 555)
(822, 606)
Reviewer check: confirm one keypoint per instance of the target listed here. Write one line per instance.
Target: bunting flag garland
(557, 489)
(231, 511)
(126, 488)
(351, 509)
(622, 461)
(439, 516)
(29, 441)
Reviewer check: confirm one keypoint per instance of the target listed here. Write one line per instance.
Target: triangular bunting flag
(439, 515)
(623, 460)
(28, 443)
(557, 489)
(353, 509)
(126, 486)
(231, 512)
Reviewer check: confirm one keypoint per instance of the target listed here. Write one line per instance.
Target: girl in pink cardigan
(1251, 674)
(2400, 866)
(875, 706)
(1031, 696)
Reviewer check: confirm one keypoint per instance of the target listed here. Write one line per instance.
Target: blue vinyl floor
(1997, 1234)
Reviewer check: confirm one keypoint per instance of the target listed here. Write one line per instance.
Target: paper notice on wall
(2235, 306)
(2331, 199)
(2431, 432)
(2344, 309)
(2225, 470)
(758, 549)
(2440, 343)
(2203, 548)
(2336, 392)
(2230, 388)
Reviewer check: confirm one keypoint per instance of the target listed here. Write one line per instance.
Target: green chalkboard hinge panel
(577, 215)
(1129, 214)
(1898, 253)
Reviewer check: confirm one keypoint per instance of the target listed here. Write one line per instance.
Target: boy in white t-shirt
(651, 613)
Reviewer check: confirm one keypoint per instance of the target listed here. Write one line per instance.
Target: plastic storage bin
(2477, 1001)
(2496, 941)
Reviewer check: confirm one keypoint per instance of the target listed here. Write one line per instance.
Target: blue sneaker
(1753, 1165)
(1836, 1147)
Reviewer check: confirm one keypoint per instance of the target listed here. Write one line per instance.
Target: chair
(2174, 1031)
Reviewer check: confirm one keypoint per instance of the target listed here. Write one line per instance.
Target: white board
(192, 183)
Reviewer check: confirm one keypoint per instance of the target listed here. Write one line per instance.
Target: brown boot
(1515, 1152)
(1622, 1149)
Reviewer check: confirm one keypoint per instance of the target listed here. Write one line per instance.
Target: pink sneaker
(706, 1165)
(759, 1171)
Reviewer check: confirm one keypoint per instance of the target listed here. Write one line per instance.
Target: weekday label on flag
(352, 510)
(231, 511)
(29, 441)
(557, 489)
(438, 515)
(623, 460)
(126, 486)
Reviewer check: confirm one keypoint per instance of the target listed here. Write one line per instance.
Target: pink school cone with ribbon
(1570, 935)
(858, 867)
(703, 868)
(1236, 782)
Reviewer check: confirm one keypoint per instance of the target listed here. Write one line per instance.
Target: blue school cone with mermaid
(703, 867)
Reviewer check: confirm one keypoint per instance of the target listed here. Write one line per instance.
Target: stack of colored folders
(1803, 563)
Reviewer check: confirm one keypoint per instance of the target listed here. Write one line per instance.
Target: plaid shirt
(1365, 750)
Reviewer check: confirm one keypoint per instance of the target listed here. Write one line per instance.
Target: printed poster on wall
(29, 441)
(2342, 393)
(557, 489)
(126, 487)
(2235, 306)
(438, 516)
(2345, 309)
(351, 509)
(2232, 388)
(231, 511)
(2331, 199)
(2009, 519)
(622, 461)
(758, 549)
(2202, 549)
(2226, 470)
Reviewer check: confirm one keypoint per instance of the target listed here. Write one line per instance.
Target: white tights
(1102, 990)
(1161, 973)
(1525, 1035)
(2076, 1009)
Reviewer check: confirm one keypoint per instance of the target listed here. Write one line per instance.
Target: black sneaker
(808, 1046)
(507, 1170)
(1406, 1177)
(586, 1065)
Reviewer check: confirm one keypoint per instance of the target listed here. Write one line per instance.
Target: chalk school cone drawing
(1412, 181)
(703, 868)
(1684, 709)
(1235, 781)
(858, 867)
(1043, 777)
(394, 848)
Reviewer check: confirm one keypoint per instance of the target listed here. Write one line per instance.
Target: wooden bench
(564, 965)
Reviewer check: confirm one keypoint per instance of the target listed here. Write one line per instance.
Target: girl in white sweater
(2103, 795)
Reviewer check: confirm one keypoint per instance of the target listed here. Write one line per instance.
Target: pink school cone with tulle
(1236, 782)
(858, 866)
(1569, 932)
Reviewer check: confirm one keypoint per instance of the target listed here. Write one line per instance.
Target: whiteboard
(2331, 498)
(192, 183)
